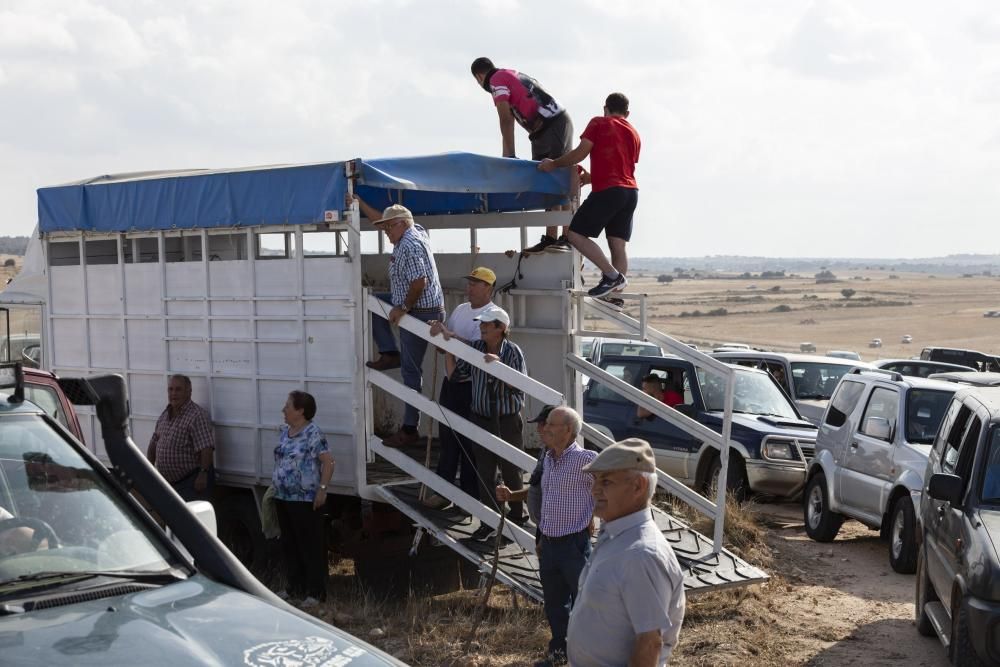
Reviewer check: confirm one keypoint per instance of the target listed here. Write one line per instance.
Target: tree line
(13, 245)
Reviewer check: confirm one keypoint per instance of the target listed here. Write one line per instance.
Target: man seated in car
(17, 540)
(670, 396)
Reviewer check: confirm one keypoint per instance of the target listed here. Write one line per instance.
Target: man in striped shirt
(565, 523)
(416, 290)
(496, 407)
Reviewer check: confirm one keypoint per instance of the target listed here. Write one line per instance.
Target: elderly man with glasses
(565, 522)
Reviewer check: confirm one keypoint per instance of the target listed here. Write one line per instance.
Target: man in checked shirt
(565, 523)
(183, 443)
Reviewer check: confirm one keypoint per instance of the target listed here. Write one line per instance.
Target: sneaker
(623, 286)
(385, 362)
(561, 245)
(401, 438)
(309, 603)
(483, 532)
(617, 304)
(435, 502)
(541, 246)
(607, 285)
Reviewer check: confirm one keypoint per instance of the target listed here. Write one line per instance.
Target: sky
(833, 128)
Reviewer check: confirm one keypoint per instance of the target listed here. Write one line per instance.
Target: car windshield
(924, 410)
(755, 393)
(57, 515)
(815, 380)
(991, 476)
(639, 349)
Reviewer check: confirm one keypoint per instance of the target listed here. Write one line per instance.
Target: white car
(906, 339)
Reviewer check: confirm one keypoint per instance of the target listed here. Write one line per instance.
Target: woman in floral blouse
(302, 469)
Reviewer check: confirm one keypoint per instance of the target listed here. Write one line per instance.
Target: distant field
(945, 311)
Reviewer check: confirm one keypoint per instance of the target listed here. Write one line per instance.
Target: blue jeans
(411, 351)
(560, 561)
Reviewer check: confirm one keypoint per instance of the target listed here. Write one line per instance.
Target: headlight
(782, 451)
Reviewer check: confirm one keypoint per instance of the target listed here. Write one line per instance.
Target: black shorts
(554, 139)
(609, 211)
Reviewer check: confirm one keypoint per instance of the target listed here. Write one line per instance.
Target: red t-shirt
(615, 152)
(672, 398)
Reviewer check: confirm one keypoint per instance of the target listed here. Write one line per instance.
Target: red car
(42, 389)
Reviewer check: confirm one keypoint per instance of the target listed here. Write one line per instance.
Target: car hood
(792, 428)
(194, 622)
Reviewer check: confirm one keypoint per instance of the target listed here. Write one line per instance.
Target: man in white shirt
(456, 393)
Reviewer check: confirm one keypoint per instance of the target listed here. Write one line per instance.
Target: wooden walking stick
(435, 394)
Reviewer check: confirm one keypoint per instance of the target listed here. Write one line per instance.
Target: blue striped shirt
(490, 396)
(412, 259)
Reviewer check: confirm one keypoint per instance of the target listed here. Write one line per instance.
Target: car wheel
(963, 653)
(822, 525)
(240, 531)
(902, 537)
(925, 594)
(737, 484)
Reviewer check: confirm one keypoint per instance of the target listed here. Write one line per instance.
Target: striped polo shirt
(490, 396)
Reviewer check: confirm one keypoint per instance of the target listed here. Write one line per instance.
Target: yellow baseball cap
(482, 274)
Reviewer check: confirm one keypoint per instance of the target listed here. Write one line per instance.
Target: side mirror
(878, 427)
(946, 487)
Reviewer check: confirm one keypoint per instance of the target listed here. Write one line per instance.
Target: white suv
(871, 454)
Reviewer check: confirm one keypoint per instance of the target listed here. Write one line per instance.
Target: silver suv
(871, 454)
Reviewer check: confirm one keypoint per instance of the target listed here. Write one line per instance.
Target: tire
(902, 537)
(822, 525)
(925, 594)
(737, 484)
(240, 531)
(963, 653)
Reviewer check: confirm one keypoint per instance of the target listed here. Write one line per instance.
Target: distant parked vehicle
(992, 313)
(957, 597)
(919, 367)
(971, 378)
(971, 358)
(871, 453)
(875, 342)
(906, 339)
(807, 347)
(844, 354)
(808, 379)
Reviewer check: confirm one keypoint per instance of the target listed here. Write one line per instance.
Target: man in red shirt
(518, 97)
(613, 146)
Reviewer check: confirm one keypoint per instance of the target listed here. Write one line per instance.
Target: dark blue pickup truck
(771, 441)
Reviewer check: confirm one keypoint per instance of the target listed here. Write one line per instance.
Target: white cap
(495, 314)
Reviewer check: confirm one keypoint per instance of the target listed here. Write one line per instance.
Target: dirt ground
(780, 314)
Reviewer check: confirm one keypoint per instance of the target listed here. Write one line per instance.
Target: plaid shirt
(567, 505)
(413, 259)
(179, 438)
(490, 396)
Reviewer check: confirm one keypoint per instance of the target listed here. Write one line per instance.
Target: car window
(622, 349)
(949, 459)
(587, 348)
(626, 372)
(884, 404)
(78, 521)
(754, 393)
(967, 453)
(47, 399)
(991, 473)
(675, 379)
(777, 371)
(815, 380)
(924, 410)
(845, 399)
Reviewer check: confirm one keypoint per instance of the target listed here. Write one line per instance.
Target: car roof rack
(896, 376)
(12, 375)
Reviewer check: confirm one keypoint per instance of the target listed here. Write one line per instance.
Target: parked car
(918, 367)
(609, 347)
(991, 313)
(875, 342)
(87, 577)
(871, 453)
(809, 380)
(973, 378)
(958, 568)
(807, 347)
(906, 339)
(971, 358)
(772, 442)
(844, 354)
(25, 348)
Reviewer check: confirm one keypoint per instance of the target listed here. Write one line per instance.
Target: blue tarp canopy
(298, 194)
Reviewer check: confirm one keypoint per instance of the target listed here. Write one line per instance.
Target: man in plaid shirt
(183, 443)
(565, 524)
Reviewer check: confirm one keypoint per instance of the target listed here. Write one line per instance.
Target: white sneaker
(309, 603)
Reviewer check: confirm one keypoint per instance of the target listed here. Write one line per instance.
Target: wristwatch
(404, 308)
(322, 487)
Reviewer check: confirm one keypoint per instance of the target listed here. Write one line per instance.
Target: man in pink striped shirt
(565, 523)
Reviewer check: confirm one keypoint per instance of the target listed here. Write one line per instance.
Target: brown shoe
(385, 362)
(435, 502)
(401, 438)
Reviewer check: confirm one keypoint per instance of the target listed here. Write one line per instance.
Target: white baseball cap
(495, 314)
